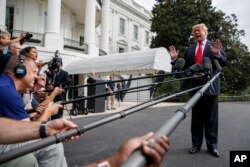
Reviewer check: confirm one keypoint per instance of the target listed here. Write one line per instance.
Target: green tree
(172, 22)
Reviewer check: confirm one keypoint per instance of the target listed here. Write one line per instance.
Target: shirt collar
(203, 42)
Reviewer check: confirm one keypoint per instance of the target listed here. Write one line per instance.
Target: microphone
(217, 65)
(161, 76)
(218, 68)
(158, 79)
(179, 64)
(194, 69)
(207, 66)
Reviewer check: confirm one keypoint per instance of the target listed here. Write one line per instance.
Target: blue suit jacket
(189, 57)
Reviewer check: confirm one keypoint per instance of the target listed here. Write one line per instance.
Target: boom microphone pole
(60, 137)
(180, 62)
(121, 80)
(122, 90)
(137, 159)
(114, 81)
(118, 91)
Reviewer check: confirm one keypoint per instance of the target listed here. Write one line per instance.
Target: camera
(28, 36)
(55, 63)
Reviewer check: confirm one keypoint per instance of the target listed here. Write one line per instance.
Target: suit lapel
(193, 53)
(205, 51)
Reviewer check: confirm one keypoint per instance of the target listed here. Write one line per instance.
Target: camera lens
(28, 35)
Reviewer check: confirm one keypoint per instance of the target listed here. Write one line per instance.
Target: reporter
(6, 41)
(20, 131)
(13, 108)
(30, 51)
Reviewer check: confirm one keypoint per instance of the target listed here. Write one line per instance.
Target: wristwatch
(103, 164)
(42, 130)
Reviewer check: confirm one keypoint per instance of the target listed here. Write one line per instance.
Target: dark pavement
(98, 143)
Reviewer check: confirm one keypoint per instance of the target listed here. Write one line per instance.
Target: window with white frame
(136, 32)
(147, 37)
(122, 26)
(9, 20)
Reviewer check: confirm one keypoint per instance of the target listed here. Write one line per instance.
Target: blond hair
(202, 25)
(4, 33)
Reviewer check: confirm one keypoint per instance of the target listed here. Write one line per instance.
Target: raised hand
(217, 47)
(173, 53)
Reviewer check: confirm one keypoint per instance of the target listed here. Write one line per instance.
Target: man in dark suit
(60, 79)
(205, 111)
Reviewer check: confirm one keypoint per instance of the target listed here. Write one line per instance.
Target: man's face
(199, 34)
(41, 81)
(29, 79)
(5, 39)
(15, 49)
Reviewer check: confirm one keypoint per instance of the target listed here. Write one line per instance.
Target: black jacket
(61, 78)
(189, 57)
(3, 61)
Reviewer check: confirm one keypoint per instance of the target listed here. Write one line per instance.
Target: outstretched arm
(19, 131)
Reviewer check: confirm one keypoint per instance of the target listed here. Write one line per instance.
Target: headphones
(20, 69)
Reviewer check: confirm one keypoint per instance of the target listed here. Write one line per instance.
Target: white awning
(145, 62)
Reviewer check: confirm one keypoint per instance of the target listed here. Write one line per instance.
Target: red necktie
(198, 56)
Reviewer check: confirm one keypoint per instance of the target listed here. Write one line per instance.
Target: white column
(130, 34)
(105, 26)
(89, 33)
(52, 37)
(2, 14)
(142, 37)
(115, 26)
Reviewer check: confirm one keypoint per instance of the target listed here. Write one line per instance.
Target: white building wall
(78, 31)
(67, 22)
(30, 16)
(31, 21)
(23, 19)
(131, 18)
(18, 13)
(43, 8)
